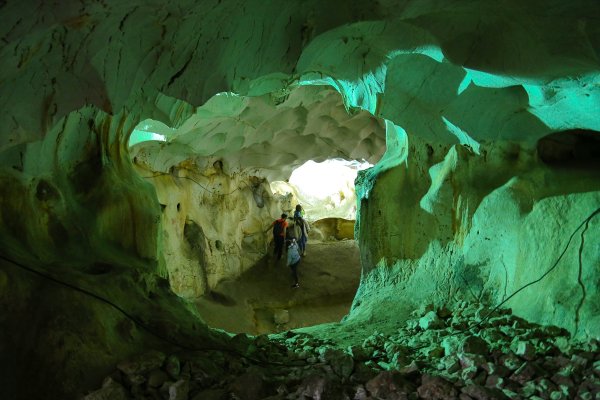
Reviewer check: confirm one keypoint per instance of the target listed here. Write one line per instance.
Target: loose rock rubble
(436, 355)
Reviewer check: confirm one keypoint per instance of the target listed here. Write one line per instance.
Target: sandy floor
(328, 275)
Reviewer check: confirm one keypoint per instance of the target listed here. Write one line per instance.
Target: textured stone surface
(280, 367)
(488, 178)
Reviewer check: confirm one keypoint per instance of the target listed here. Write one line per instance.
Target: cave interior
(148, 145)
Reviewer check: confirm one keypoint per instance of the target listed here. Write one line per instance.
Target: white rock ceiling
(253, 134)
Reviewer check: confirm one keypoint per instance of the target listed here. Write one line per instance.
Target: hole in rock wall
(219, 174)
(327, 195)
(149, 130)
(328, 273)
(262, 300)
(572, 148)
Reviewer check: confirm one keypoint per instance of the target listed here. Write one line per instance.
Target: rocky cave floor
(438, 354)
(262, 301)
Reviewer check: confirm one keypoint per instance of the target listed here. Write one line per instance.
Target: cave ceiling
(264, 135)
(452, 72)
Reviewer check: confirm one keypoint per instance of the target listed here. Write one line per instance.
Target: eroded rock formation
(212, 176)
(488, 184)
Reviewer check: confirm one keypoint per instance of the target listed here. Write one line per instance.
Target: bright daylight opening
(149, 130)
(326, 189)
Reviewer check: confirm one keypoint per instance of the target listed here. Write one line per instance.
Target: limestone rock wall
(81, 277)
(212, 225)
(481, 228)
(466, 88)
(74, 195)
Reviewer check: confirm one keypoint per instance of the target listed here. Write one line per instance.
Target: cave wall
(212, 177)
(495, 223)
(212, 224)
(467, 90)
(82, 280)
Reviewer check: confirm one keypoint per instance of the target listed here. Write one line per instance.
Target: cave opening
(261, 300)
(220, 190)
(570, 148)
(460, 214)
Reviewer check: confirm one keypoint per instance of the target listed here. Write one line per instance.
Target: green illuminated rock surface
(488, 174)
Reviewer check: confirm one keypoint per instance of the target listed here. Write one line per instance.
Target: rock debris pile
(437, 355)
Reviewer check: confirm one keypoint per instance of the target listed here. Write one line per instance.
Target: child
(293, 259)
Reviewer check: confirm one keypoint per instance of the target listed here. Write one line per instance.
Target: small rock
(528, 389)
(361, 393)
(436, 388)
(584, 395)
(156, 378)
(483, 393)
(359, 353)
(451, 345)
(318, 387)
(562, 380)
(524, 350)
(579, 362)
(558, 395)
(468, 373)
(281, 317)
(411, 371)
(241, 342)
(262, 341)
(250, 385)
(472, 360)
(431, 321)
(110, 390)
(563, 344)
(376, 340)
(172, 366)
(179, 390)
(494, 369)
(392, 348)
(525, 374)
(474, 345)
(596, 368)
(143, 363)
(412, 324)
(435, 352)
(451, 364)
(494, 381)
(399, 361)
(389, 384)
(341, 363)
(511, 361)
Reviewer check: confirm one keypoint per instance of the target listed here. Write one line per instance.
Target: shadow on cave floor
(329, 276)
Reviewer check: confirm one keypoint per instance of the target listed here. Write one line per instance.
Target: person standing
(279, 231)
(299, 213)
(293, 260)
(301, 230)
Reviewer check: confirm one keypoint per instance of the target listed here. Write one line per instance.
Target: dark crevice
(579, 273)
(571, 148)
(181, 71)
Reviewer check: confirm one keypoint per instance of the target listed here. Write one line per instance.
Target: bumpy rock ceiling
(269, 136)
